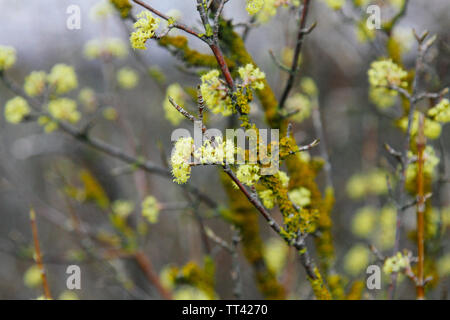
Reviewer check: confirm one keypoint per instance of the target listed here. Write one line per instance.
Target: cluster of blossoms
(180, 160)
(369, 219)
(252, 76)
(16, 109)
(264, 10)
(101, 10)
(429, 168)
(122, 208)
(35, 83)
(62, 78)
(127, 78)
(215, 152)
(7, 57)
(215, 93)
(150, 209)
(301, 197)
(299, 105)
(382, 74)
(64, 109)
(372, 182)
(88, 99)
(441, 111)
(275, 253)
(267, 196)
(396, 263)
(248, 174)
(145, 29)
(356, 259)
(176, 92)
(33, 277)
(112, 47)
(432, 129)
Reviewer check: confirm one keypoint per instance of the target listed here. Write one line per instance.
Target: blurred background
(52, 171)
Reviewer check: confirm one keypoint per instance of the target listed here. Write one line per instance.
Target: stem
(421, 141)
(38, 256)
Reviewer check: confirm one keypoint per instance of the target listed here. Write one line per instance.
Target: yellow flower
(248, 174)
(254, 6)
(150, 209)
(252, 76)
(88, 99)
(268, 198)
(309, 86)
(356, 259)
(382, 98)
(47, 123)
(441, 111)
(180, 160)
(114, 47)
(122, 208)
(7, 57)
(64, 109)
(364, 221)
(275, 254)
(215, 94)
(68, 295)
(300, 196)
(283, 178)
(388, 215)
(33, 277)
(127, 78)
(35, 83)
(395, 264)
(179, 96)
(383, 73)
(145, 29)
(123, 6)
(109, 113)
(431, 128)
(16, 109)
(62, 78)
(190, 293)
(335, 4)
(300, 104)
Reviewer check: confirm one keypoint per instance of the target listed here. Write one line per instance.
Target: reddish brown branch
(38, 256)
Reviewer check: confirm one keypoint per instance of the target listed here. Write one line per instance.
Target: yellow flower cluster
(180, 160)
(268, 198)
(87, 98)
(113, 47)
(300, 196)
(254, 6)
(364, 221)
(122, 208)
(110, 113)
(35, 83)
(431, 162)
(372, 182)
(7, 57)
(432, 129)
(248, 174)
(356, 259)
(62, 78)
(190, 293)
(335, 4)
(215, 94)
(441, 111)
(309, 87)
(382, 74)
(33, 277)
(176, 92)
(16, 109)
(252, 76)
(150, 209)
(275, 254)
(217, 152)
(386, 236)
(301, 105)
(145, 29)
(127, 78)
(396, 263)
(64, 109)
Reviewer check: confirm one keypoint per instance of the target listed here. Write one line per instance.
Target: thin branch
(300, 36)
(38, 256)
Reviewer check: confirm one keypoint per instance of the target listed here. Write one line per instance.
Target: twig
(38, 256)
(300, 35)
